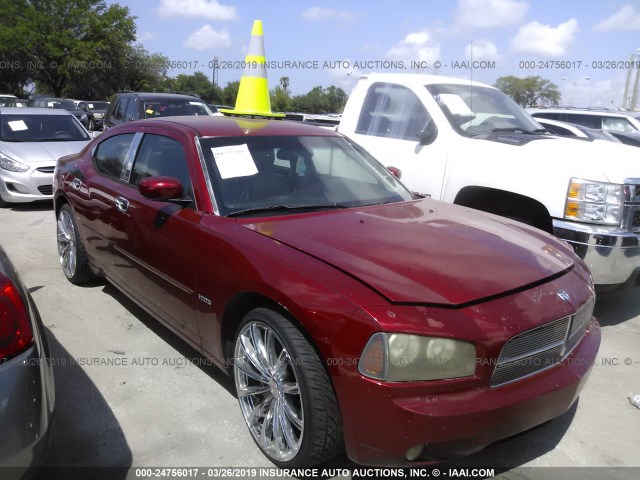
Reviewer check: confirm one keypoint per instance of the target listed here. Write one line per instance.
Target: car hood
(424, 252)
(553, 152)
(41, 152)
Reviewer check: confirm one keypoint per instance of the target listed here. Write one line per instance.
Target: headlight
(12, 165)
(594, 202)
(398, 357)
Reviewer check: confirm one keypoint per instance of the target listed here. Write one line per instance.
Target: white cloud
(581, 92)
(320, 14)
(209, 9)
(490, 13)
(626, 18)
(345, 75)
(145, 36)
(206, 38)
(544, 40)
(416, 46)
(482, 50)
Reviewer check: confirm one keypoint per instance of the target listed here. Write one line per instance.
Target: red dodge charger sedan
(351, 313)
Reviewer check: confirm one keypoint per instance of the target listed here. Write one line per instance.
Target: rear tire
(71, 251)
(284, 392)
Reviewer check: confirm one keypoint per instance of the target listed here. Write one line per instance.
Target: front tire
(284, 392)
(71, 251)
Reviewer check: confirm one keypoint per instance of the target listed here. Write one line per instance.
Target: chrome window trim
(207, 178)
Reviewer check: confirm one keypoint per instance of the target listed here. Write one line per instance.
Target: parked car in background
(130, 106)
(63, 104)
(598, 118)
(581, 132)
(7, 100)
(27, 393)
(95, 113)
(468, 143)
(628, 138)
(20, 103)
(31, 140)
(344, 306)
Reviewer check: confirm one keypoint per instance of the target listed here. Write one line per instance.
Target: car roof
(163, 95)
(420, 79)
(581, 111)
(218, 126)
(33, 111)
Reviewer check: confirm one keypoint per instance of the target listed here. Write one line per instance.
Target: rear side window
(617, 123)
(121, 108)
(591, 121)
(111, 155)
(392, 111)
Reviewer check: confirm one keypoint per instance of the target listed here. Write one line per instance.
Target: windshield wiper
(284, 207)
(519, 130)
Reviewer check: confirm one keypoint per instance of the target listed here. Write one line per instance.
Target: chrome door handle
(122, 204)
(76, 184)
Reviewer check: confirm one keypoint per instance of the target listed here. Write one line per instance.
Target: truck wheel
(284, 392)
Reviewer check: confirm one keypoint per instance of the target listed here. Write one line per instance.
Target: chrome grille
(542, 347)
(635, 222)
(46, 169)
(46, 189)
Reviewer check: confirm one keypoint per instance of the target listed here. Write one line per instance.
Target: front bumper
(31, 186)
(460, 423)
(612, 255)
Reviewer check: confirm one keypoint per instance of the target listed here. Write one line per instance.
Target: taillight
(15, 328)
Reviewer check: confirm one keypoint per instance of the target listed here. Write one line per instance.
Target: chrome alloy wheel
(268, 391)
(67, 250)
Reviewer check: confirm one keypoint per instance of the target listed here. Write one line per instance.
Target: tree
(230, 93)
(199, 84)
(284, 83)
(64, 42)
(280, 99)
(529, 91)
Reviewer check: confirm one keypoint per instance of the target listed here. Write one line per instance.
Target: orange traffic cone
(253, 94)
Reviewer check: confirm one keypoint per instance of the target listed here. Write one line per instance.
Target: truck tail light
(15, 329)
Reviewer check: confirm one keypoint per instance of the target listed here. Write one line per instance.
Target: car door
(93, 190)
(389, 125)
(154, 263)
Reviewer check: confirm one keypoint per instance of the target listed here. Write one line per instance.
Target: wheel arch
(506, 204)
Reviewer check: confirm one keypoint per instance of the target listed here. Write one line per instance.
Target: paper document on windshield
(234, 161)
(17, 125)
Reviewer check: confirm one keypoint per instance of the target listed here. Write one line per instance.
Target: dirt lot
(159, 404)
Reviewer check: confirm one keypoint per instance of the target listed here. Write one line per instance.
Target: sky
(583, 47)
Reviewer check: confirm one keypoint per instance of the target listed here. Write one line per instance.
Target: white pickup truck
(467, 143)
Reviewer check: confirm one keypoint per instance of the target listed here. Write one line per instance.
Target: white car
(31, 141)
(565, 129)
(598, 118)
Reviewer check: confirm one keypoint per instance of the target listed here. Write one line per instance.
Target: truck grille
(635, 222)
(542, 347)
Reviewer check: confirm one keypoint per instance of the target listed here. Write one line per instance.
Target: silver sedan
(31, 140)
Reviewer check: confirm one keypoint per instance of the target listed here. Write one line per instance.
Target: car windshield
(61, 104)
(41, 128)
(91, 106)
(473, 110)
(289, 174)
(175, 107)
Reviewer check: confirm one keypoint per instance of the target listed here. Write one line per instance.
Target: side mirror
(428, 134)
(160, 188)
(395, 171)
